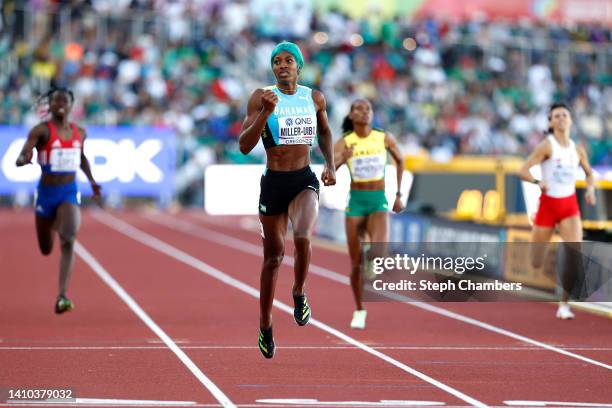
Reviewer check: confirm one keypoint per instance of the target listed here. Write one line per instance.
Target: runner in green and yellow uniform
(364, 150)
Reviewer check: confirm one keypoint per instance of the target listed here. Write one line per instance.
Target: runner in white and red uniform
(60, 154)
(559, 158)
(559, 200)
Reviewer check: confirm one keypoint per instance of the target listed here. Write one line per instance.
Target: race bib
(294, 130)
(65, 159)
(564, 176)
(368, 167)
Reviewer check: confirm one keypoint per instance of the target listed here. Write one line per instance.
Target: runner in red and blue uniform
(59, 144)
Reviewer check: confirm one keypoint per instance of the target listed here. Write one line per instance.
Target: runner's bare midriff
(368, 185)
(288, 158)
(48, 179)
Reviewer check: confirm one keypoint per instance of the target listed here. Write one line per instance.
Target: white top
(559, 171)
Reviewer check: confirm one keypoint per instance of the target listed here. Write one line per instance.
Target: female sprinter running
(59, 144)
(364, 150)
(559, 158)
(288, 117)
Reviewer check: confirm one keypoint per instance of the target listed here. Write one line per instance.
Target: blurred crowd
(474, 87)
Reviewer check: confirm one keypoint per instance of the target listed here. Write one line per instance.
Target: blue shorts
(48, 198)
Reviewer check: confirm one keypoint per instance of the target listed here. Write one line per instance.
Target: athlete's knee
(67, 245)
(303, 228)
(302, 234)
(67, 239)
(273, 262)
(302, 245)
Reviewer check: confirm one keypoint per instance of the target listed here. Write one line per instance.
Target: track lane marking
(196, 347)
(171, 251)
(104, 402)
(519, 403)
(381, 403)
(245, 246)
(133, 305)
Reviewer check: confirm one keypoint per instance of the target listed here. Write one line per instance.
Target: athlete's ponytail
(347, 124)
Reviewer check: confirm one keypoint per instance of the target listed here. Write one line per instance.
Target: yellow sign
(370, 8)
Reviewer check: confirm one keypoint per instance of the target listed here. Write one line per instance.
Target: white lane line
(495, 329)
(519, 403)
(381, 403)
(194, 347)
(181, 256)
(602, 308)
(235, 243)
(100, 401)
(254, 405)
(114, 285)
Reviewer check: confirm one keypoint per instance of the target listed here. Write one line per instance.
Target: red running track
(170, 266)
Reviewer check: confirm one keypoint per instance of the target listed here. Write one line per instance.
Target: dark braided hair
(45, 99)
(60, 89)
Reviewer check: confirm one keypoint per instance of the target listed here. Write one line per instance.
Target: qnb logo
(303, 121)
(298, 121)
(110, 160)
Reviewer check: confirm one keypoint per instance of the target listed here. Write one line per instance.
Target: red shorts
(553, 210)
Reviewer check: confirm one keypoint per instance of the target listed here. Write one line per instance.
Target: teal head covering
(292, 49)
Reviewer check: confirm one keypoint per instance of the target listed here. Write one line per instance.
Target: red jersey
(61, 156)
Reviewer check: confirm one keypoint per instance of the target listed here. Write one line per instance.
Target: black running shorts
(279, 188)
